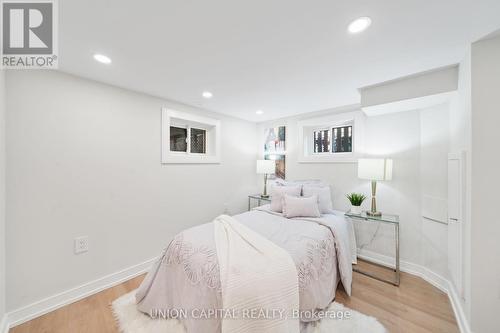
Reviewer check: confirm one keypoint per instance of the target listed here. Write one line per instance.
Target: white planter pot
(356, 209)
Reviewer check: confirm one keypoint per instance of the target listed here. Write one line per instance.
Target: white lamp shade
(266, 167)
(375, 169)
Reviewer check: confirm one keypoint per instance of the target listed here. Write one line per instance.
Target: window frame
(307, 127)
(186, 120)
(330, 133)
(188, 138)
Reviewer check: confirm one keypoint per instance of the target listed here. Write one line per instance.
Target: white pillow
(300, 206)
(324, 197)
(301, 182)
(277, 192)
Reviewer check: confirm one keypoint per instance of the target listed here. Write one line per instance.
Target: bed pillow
(301, 182)
(324, 197)
(313, 182)
(277, 193)
(300, 206)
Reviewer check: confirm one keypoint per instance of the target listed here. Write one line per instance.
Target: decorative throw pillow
(300, 182)
(324, 197)
(277, 193)
(300, 206)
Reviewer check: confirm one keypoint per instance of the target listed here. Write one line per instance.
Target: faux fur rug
(130, 320)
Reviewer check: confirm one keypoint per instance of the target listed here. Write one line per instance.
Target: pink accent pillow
(277, 194)
(300, 206)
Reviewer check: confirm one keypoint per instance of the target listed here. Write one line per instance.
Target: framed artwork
(275, 140)
(275, 149)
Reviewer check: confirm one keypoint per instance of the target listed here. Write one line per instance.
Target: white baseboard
(456, 303)
(54, 302)
(435, 279)
(4, 328)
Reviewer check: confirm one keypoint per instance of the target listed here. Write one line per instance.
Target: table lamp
(265, 167)
(374, 169)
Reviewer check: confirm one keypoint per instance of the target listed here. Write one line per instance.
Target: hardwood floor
(416, 306)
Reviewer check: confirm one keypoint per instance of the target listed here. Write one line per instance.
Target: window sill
(190, 159)
(346, 158)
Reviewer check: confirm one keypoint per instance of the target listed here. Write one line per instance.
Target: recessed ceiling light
(102, 58)
(359, 25)
(207, 94)
(259, 112)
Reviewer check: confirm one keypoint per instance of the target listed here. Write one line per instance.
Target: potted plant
(356, 200)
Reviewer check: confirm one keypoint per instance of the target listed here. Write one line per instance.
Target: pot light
(259, 112)
(102, 58)
(207, 94)
(359, 25)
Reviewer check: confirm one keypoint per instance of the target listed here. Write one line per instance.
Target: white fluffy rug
(130, 320)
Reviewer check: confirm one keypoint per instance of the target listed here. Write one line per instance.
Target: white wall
(485, 228)
(399, 136)
(434, 148)
(83, 158)
(396, 136)
(2, 196)
(423, 84)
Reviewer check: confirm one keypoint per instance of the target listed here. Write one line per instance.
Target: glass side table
(259, 199)
(389, 219)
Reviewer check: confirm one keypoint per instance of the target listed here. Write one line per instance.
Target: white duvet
(187, 275)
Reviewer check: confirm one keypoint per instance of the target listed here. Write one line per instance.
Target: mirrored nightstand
(392, 220)
(260, 200)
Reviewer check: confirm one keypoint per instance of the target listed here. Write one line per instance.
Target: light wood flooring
(414, 306)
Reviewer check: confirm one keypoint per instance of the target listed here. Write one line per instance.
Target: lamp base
(378, 214)
(373, 211)
(264, 196)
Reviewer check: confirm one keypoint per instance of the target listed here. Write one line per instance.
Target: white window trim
(177, 157)
(357, 118)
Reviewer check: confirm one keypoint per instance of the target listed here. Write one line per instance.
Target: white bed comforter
(187, 274)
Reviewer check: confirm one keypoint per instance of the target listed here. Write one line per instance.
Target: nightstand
(258, 198)
(392, 220)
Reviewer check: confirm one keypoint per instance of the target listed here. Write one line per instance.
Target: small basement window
(188, 138)
(331, 138)
(196, 144)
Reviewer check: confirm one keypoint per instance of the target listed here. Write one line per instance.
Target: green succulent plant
(356, 199)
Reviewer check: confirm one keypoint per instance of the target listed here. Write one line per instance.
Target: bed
(186, 276)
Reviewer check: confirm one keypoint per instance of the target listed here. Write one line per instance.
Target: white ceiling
(281, 56)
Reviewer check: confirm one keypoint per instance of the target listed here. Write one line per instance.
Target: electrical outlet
(81, 244)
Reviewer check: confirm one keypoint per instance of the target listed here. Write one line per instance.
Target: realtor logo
(29, 34)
